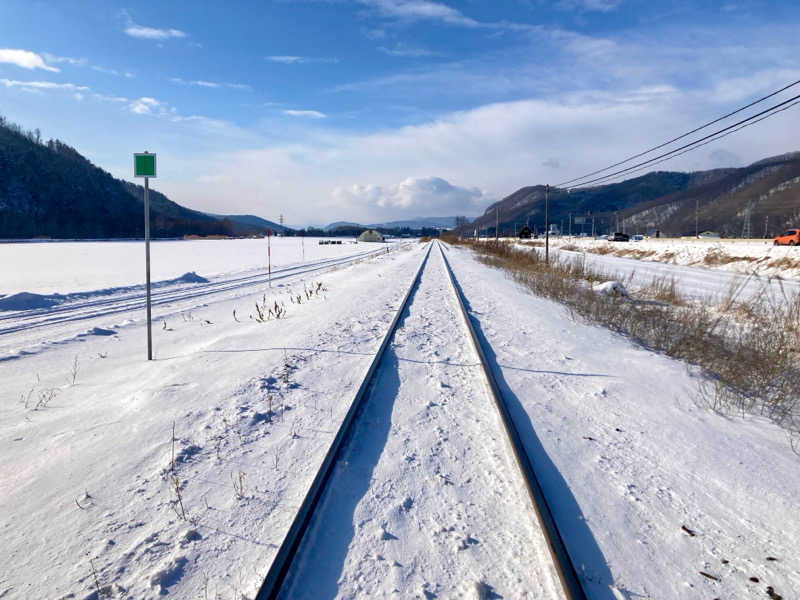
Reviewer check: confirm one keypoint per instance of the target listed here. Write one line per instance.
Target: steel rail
(168, 289)
(561, 559)
(127, 303)
(291, 542)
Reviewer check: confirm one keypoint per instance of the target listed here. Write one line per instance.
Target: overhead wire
(680, 137)
(700, 145)
(764, 114)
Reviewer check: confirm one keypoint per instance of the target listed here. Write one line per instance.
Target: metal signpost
(269, 257)
(144, 165)
(546, 224)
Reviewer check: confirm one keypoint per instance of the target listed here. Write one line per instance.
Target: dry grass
(784, 262)
(748, 349)
(717, 256)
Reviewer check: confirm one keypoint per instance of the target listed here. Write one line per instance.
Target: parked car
(619, 237)
(638, 238)
(790, 237)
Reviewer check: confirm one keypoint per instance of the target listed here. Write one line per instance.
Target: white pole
(147, 263)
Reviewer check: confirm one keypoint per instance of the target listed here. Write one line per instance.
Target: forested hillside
(48, 189)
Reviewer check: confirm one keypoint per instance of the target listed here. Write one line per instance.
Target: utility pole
(496, 222)
(570, 225)
(766, 225)
(547, 224)
(696, 216)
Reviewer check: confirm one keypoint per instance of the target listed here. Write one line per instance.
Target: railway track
(93, 307)
(290, 553)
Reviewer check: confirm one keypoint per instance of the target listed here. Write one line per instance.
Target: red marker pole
(269, 258)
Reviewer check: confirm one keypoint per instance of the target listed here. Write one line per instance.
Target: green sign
(144, 165)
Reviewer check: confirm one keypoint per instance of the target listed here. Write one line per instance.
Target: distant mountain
(415, 223)
(340, 224)
(665, 200)
(419, 223)
(253, 221)
(49, 189)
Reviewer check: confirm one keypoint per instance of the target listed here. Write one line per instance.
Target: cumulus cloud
(25, 59)
(147, 106)
(478, 155)
(411, 197)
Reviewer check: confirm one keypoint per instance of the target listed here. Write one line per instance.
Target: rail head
(567, 573)
(291, 542)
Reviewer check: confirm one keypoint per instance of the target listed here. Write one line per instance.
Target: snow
(627, 454)
(708, 283)
(426, 499)
(85, 475)
(743, 256)
(610, 288)
(62, 267)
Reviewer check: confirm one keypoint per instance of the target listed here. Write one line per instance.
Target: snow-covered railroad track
(93, 307)
(418, 493)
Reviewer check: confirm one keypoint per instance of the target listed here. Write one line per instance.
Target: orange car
(788, 238)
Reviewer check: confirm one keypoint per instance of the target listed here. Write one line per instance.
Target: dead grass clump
(784, 262)
(717, 256)
(749, 348)
(570, 247)
(604, 249)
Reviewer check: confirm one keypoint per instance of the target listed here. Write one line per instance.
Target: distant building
(525, 233)
(370, 235)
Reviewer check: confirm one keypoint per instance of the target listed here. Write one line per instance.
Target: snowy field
(657, 497)
(684, 262)
(736, 255)
(68, 267)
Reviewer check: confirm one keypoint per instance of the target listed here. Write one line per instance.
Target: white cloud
(311, 114)
(413, 196)
(420, 10)
(477, 155)
(404, 50)
(590, 5)
(25, 59)
(149, 33)
(287, 60)
(299, 60)
(77, 62)
(211, 84)
(147, 106)
(43, 85)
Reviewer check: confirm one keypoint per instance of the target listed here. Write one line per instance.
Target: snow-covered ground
(426, 501)
(743, 256)
(693, 278)
(626, 455)
(628, 458)
(84, 480)
(64, 267)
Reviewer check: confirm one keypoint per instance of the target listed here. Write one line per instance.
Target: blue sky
(380, 109)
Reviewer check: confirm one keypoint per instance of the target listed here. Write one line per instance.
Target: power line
(692, 145)
(719, 137)
(680, 137)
